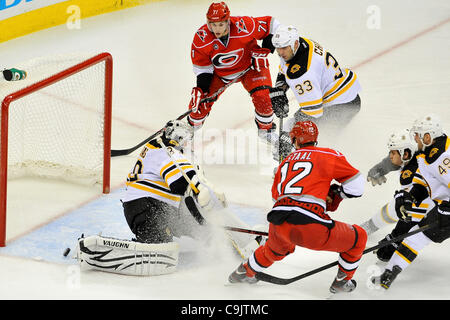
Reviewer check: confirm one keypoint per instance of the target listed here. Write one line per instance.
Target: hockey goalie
(167, 197)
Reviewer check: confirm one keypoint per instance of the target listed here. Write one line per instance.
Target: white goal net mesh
(57, 131)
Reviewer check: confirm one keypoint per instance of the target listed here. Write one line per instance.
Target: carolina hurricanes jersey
(317, 80)
(209, 54)
(305, 176)
(433, 169)
(154, 173)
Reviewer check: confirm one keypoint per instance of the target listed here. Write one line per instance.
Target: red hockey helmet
(218, 11)
(304, 132)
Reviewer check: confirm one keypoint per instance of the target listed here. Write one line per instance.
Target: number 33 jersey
(317, 80)
(306, 175)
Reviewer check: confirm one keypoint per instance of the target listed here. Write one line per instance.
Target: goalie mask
(402, 140)
(285, 36)
(178, 133)
(430, 124)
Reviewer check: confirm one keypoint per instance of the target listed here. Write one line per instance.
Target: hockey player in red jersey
(303, 196)
(222, 50)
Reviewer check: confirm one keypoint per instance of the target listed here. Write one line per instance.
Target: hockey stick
(280, 131)
(235, 229)
(123, 152)
(282, 281)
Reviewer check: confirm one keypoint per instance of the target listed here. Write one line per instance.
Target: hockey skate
(387, 277)
(240, 276)
(340, 284)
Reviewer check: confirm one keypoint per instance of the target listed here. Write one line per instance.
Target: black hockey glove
(403, 205)
(444, 214)
(280, 103)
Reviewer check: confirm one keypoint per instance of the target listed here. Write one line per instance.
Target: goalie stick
(124, 152)
(282, 281)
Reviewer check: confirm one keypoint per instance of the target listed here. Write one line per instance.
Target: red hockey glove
(334, 198)
(196, 96)
(260, 58)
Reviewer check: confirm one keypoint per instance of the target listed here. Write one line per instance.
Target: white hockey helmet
(285, 36)
(179, 133)
(402, 140)
(430, 124)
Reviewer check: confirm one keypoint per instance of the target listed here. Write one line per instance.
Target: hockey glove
(444, 214)
(403, 205)
(375, 176)
(197, 95)
(280, 103)
(260, 58)
(334, 197)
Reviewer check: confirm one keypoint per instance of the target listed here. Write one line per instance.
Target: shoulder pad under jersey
(298, 65)
(433, 152)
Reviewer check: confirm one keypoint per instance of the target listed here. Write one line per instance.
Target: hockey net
(56, 123)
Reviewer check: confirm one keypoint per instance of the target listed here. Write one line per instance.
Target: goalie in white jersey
(431, 180)
(153, 209)
(167, 196)
(325, 92)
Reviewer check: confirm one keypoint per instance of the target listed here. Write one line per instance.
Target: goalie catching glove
(205, 194)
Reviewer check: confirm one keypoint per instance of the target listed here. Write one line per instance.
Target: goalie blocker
(127, 257)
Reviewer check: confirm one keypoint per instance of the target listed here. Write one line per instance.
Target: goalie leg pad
(127, 257)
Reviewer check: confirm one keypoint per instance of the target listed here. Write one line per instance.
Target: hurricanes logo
(228, 59)
(433, 152)
(406, 174)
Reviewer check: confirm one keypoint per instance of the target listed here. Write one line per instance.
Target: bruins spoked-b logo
(227, 59)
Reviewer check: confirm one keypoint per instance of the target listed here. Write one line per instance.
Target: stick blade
(268, 278)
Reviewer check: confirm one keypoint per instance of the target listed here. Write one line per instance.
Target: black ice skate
(240, 276)
(341, 285)
(387, 277)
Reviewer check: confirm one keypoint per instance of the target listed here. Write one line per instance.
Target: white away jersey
(433, 171)
(316, 79)
(153, 174)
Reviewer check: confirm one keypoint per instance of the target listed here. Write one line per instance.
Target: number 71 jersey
(306, 174)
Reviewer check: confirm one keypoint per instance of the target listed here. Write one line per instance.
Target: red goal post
(65, 105)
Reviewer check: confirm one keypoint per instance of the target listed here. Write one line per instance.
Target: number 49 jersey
(306, 175)
(317, 80)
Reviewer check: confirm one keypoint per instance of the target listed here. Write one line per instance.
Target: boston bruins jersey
(433, 169)
(317, 80)
(407, 172)
(155, 175)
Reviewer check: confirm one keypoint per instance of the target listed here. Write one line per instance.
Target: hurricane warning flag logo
(228, 59)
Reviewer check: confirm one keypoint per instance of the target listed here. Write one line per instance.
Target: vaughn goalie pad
(127, 257)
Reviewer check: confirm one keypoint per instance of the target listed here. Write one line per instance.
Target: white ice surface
(403, 69)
